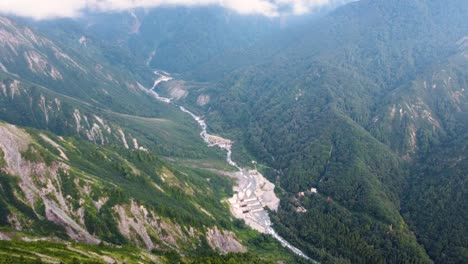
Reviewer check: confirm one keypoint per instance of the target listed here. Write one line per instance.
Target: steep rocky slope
(42, 182)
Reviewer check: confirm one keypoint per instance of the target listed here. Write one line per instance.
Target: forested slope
(359, 117)
(353, 105)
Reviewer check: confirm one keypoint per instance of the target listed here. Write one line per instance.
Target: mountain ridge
(357, 116)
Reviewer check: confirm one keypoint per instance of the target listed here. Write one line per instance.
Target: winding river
(258, 218)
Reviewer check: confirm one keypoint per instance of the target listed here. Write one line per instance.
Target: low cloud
(300, 7)
(41, 9)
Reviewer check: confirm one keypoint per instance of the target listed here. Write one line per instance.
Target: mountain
(88, 155)
(358, 115)
(357, 104)
(179, 39)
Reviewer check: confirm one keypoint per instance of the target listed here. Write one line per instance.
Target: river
(248, 181)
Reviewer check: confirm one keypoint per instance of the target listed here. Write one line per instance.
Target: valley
(196, 133)
(253, 193)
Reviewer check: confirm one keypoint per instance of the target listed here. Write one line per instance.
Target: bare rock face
(134, 224)
(4, 236)
(177, 90)
(39, 183)
(224, 241)
(203, 100)
(139, 224)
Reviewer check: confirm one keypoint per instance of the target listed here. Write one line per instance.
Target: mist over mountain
(51, 9)
(234, 131)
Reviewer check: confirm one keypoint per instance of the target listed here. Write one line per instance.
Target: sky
(44, 9)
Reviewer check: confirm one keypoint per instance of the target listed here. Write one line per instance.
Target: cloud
(300, 7)
(40, 9)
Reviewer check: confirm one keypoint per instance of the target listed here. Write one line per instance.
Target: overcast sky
(41, 9)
